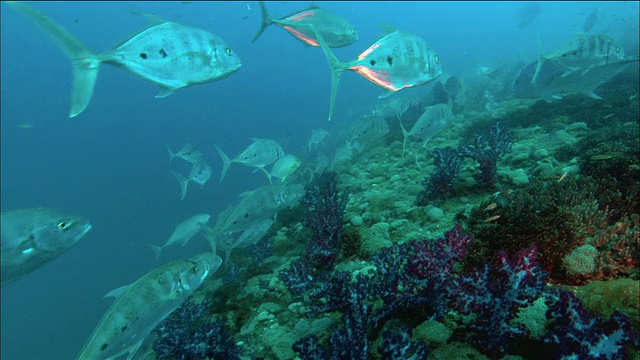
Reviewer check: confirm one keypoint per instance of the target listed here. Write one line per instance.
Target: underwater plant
(422, 280)
(447, 162)
(559, 218)
(189, 334)
(487, 148)
(324, 209)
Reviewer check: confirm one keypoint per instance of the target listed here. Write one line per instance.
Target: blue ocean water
(110, 164)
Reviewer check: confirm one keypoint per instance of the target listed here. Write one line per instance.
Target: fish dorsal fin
(388, 29)
(116, 293)
(155, 19)
(313, 6)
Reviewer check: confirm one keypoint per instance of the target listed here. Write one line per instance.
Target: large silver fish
(259, 154)
(142, 305)
(550, 83)
(33, 237)
(395, 61)
(582, 53)
(168, 54)
(337, 31)
(183, 232)
(257, 205)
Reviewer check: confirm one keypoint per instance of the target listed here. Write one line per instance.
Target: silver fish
(34, 237)
(337, 31)
(259, 154)
(552, 85)
(189, 153)
(257, 205)
(183, 232)
(286, 165)
(142, 305)
(317, 135)
(200, 173)
(581, 54)
(168, 54)
(230, 241)
(432, 121)
(395, 61)
(369, 129)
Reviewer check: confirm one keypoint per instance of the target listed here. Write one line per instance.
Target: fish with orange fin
(337, 31)
(395, 61)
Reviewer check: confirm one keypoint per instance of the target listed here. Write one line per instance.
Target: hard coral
(557, 217)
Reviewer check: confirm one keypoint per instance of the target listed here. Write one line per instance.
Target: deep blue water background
(110, 164)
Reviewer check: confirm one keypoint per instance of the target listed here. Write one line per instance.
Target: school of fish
(174, 55)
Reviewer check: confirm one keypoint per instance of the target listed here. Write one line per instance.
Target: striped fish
(581, 54)
(337, 31)
(395, 61)
(168, 54)
(141, 306)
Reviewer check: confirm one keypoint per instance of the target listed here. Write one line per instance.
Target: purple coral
(578, 335)
(487, 149)
(324, 209)
(447, 162)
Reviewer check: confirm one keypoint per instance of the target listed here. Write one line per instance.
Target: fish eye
(437, 59)
(63, 225)
(228, 51)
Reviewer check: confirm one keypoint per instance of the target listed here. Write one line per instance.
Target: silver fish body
(256, 206)
(551, 84)
(337, 31)
(433, 119)
(397, 60)
(34, 237)
(174, 56)
(142, 305)
(200, 173)
(582, 53)
(189, 153)
(259, 154)
(168, 54)
(183, 232)
(286, 165)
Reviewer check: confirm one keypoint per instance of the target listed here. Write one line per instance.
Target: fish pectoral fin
(133, 349)
(164, 93)
(593, 95)
(116, 293)
(385, 94)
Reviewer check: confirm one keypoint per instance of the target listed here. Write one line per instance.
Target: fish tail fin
(171, 154)
(85, 62)
(226, 162)
(405, 134)
(268, 174)
(209, 234)
(541, 60)
(264, 22)
(337, 68)
(156, 249)
(183, 184)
